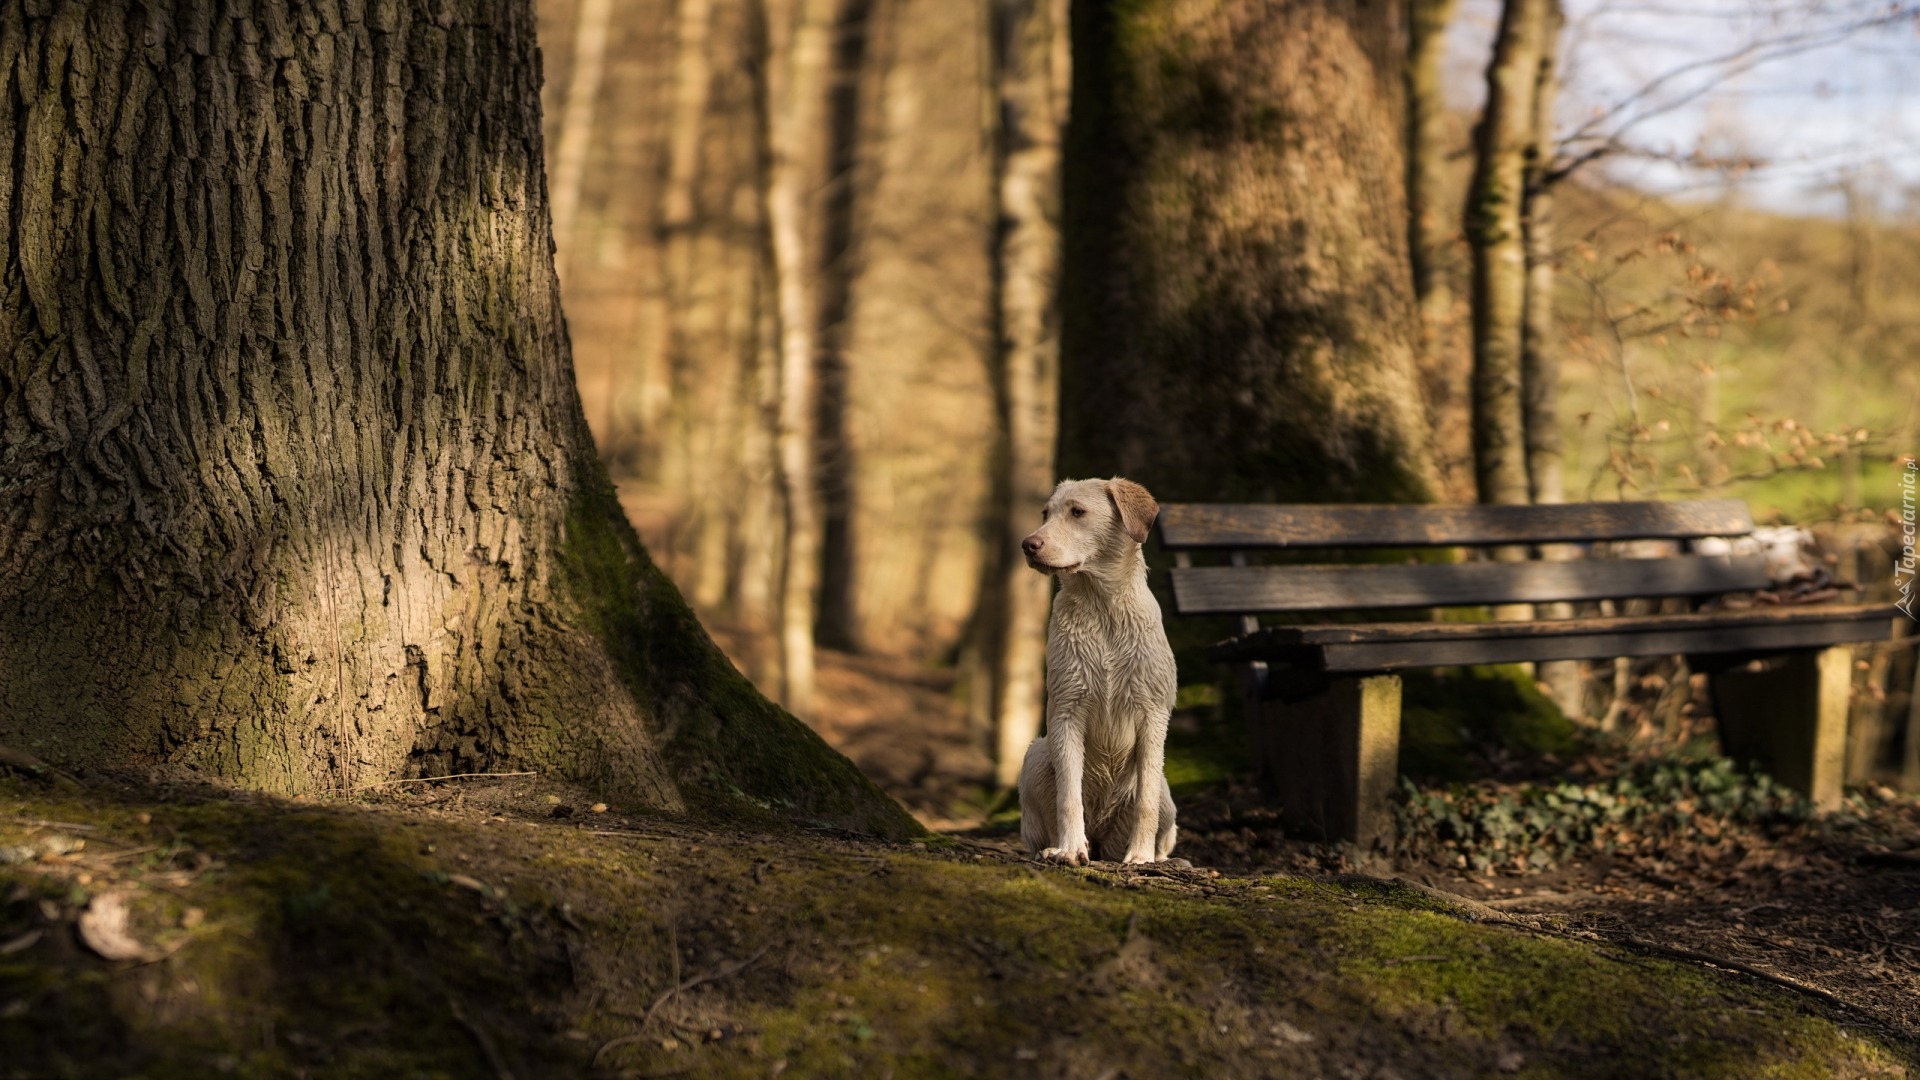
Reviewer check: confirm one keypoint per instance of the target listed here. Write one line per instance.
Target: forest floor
(1829, 906)
(507, 927)
(513, 927)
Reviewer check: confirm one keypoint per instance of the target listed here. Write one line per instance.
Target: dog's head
(1090, 522)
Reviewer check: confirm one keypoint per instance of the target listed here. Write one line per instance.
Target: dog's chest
(1119, 665)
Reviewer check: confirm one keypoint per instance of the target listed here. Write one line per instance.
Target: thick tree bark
(1033, 72)
(1239, 317)
(1496, 233)
(298, 493)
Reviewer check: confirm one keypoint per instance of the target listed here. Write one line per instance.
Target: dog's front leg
(1152, 753)
(1067, 742)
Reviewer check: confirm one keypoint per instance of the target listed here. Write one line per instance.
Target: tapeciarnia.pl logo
(1903, 568)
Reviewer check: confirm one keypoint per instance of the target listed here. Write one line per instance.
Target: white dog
(1099, 774)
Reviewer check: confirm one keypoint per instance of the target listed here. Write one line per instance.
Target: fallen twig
(669, 994)
(450, 776)
(1672, 953)
(500, 1070)
(33, 766)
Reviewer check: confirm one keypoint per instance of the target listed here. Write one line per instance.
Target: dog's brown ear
(1137, 508)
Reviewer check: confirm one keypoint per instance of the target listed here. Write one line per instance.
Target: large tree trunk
(1239, 317)
(299, 493)
(1033, 74)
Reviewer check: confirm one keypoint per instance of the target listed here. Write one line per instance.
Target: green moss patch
(1452, 716)
(470, 939)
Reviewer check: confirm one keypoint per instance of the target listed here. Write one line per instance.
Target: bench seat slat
(1372, 647)
(1202, 590)
(1228, 525)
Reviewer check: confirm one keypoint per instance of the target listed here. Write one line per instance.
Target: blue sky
(1844, 106)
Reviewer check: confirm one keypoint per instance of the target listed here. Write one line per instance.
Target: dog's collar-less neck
(1085, 585)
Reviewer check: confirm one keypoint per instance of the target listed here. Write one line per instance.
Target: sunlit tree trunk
(1428, 224)
(1540, 346)
(1496, 232)
(1432, 225)
(1033, 73)
(798, 45)
(1540, 365)
(299, 496)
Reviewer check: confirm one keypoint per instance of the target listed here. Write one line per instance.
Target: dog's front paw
(1068, 855)
(1139, 857)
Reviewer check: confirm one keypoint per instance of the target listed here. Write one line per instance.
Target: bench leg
(1789, 714)
(1332, 758)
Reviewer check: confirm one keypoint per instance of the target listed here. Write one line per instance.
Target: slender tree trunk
(1428, 226)
(1238, 318)
(1032, 54)
(1540, 364)
(587, 68)
(848, 185)
(1540, 346)
(696, 298)
(1431, 231)
(298, 491)
(1496, 232)
(1497, 235)
(799, 44)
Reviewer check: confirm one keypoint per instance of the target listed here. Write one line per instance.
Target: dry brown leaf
(103, 927)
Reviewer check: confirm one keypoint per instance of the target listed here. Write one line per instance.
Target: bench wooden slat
(1227, 525)
(1202, 590)
(1398, 646)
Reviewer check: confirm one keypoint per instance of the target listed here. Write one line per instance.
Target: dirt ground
(1831, 910)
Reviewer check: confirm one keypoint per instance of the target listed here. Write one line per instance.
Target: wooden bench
(1323, 700)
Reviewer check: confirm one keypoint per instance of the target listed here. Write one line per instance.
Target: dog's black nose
(1031, 545)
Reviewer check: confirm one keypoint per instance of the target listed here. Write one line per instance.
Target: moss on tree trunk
(298, 495)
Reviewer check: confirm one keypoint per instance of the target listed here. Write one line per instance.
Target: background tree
(299, 493)
(1032, 39)
(1239, 317)
(798, 42)
(1496, 229)
(1433, 232)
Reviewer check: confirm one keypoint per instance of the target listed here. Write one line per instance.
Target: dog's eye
(1079, 511)
(1043, 515)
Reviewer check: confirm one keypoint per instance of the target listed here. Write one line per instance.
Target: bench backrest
(1245, 589)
